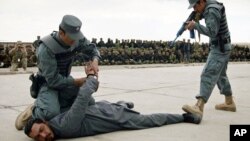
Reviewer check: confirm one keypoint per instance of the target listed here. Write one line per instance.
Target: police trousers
(215, 72)
(51, 102)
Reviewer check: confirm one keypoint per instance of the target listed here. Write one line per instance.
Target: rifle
(182, 29)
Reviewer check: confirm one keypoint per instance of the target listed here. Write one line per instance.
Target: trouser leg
(154, 120)
(138, 121)
(225, 89)
(24, 63)
(14, 67)
(223, 83)
(188, 56)
(47, 104)
(211, 73)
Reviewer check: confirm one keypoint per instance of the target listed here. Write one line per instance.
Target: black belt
(225, 41)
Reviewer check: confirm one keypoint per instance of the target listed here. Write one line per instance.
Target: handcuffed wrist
(92, 75)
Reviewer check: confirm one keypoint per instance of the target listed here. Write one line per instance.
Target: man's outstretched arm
(69, 123)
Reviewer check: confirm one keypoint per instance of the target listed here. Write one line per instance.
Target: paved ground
(153, 88)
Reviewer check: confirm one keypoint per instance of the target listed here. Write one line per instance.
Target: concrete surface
(153, 88)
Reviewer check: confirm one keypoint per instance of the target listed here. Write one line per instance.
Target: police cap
(72, 27)
(192, 3)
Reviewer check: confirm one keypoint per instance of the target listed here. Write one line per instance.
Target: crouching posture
(54, 88)
(83, 119)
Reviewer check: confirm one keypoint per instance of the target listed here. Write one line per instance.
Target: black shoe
(129, 105)
(192, 118)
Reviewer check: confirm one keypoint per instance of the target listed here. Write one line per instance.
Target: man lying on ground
(83, 119)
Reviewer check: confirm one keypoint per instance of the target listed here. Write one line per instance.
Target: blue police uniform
(57, 91)
(215, 69)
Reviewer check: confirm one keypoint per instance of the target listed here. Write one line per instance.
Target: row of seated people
(139, 52)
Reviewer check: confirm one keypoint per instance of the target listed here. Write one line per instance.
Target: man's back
(102, 114)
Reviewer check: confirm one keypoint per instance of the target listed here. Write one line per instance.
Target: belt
(225, 41)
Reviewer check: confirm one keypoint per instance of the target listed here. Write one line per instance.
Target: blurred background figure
(18, 56)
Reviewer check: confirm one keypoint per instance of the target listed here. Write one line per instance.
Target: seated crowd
(154, 52)
(141, 52)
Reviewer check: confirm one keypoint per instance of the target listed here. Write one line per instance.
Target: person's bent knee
(45, 114)
(51, 114)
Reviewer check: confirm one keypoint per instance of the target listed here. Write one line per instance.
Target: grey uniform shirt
(80, 119)
(212, 18)
(47, 64)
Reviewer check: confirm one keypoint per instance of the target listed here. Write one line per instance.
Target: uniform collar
(55, 34)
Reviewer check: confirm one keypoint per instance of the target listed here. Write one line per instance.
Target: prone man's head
(38, 130)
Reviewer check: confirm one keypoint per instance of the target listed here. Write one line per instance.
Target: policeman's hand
(190, 25)
(79, 81)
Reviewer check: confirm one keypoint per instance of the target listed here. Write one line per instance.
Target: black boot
(129, 105)
(192, 118)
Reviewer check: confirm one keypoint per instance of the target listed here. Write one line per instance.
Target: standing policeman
(55, 54)
(215, 69)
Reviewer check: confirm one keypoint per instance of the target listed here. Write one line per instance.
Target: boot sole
(226, 109)
(19, 124)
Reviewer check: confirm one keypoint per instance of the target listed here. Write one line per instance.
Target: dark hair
(198, 2)
(29, 125)
(60, 28)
